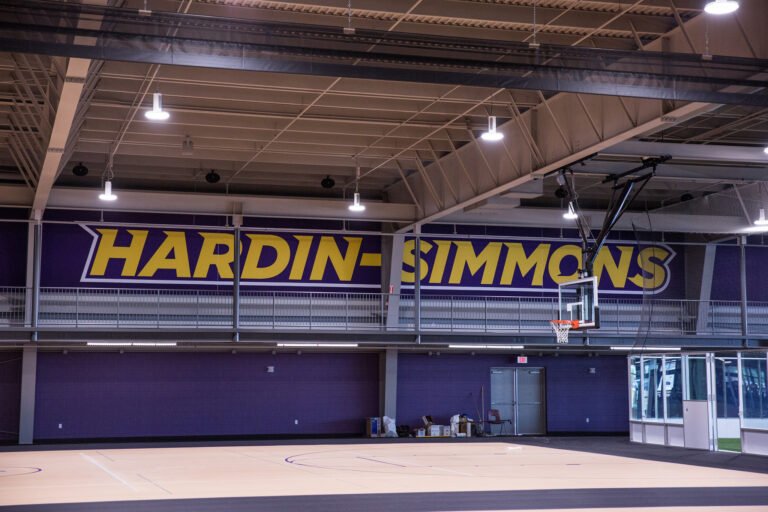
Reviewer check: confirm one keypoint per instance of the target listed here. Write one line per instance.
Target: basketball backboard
(577, 300)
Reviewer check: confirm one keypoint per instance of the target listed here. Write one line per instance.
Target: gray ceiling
(279, 134)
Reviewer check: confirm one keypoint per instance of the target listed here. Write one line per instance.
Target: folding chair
(494, 418)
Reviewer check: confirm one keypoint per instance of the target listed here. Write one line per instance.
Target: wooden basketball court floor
(494, 474)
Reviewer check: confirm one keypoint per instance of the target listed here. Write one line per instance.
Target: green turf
(729, 444)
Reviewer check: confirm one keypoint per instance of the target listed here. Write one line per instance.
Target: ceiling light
(571, 213)
(212, 177)
(761, 221)
(356, 205)
(721, 6)
(766, 150)
(157, 113)
(492, 135)
(80, 170)
(187, 146)
(107, 195)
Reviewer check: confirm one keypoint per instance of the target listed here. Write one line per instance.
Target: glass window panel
(727, 387)
(673, 387)
(653, 408)
(634, 398)
(754, 374)
(697, 378)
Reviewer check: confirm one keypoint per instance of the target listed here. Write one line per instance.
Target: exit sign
(522, 359)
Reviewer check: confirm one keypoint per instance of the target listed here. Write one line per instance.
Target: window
(653, 408)
(697, 378)
(727, 387)
(673, 387)
(754, 374)
(634, 389)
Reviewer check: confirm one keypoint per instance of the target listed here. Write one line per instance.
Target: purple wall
(757, 274)
(448, 384)
(726, 281)
(10, 393)
(103, 395)
(13, 253)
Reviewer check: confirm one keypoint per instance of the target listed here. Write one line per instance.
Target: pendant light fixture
(107, 194)
(761, 221)
(157, 113)
(719, 7)
(492, 135)
(571, 213)
(356, 205)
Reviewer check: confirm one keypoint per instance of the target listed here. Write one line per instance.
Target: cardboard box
(434, 430)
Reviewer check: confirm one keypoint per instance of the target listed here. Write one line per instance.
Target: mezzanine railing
(341, 311)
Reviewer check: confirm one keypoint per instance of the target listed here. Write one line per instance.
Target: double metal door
(519, 394)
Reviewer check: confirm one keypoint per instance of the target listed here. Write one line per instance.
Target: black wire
(642, 345)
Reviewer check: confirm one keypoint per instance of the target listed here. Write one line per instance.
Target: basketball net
(562, 328)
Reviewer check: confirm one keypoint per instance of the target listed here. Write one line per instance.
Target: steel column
(705, 290)
(388, 382)
(36, 245)
(743, 286)
(395, 282)
(27, 403)
(417, 283)
(236, 282)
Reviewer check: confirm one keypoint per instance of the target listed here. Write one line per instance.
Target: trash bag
(455, 419)
(390, 429)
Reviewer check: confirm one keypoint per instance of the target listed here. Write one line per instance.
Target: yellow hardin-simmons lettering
(491, 264)
(511, 257)
(216, 256)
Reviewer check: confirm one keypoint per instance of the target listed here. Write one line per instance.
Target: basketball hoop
(562, 328)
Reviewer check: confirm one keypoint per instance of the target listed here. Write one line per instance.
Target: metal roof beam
(302, 49)
(71, 92)
(690, 152)
(570, 128)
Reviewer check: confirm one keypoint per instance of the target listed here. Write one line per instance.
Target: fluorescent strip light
(648, 349)
(128, 344)
(317, 345)
(488, 347)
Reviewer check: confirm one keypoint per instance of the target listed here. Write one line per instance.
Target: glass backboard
(577, 300)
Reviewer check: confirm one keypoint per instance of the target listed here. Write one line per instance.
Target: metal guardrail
(339, 311)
